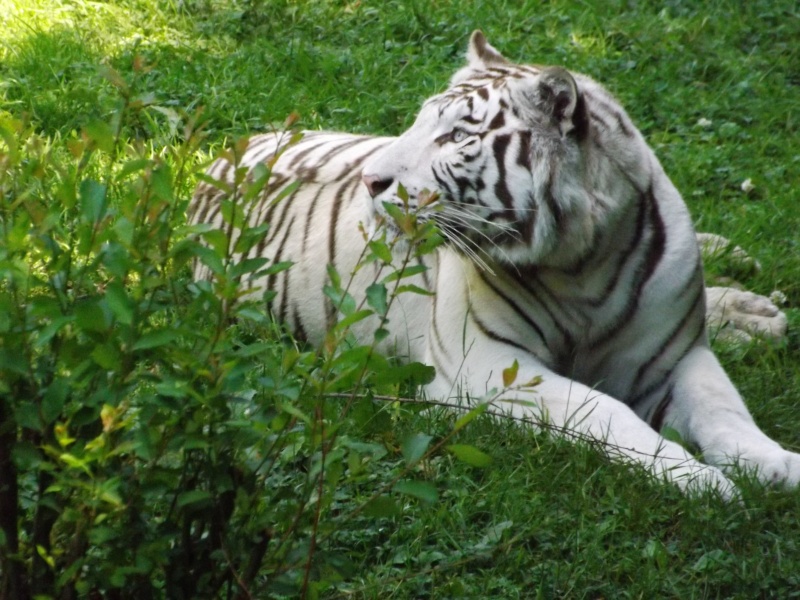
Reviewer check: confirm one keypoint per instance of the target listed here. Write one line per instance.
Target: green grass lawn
(715, 90)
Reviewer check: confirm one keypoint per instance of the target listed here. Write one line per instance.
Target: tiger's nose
(375, 185)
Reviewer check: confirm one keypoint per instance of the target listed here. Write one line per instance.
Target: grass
(715, 92)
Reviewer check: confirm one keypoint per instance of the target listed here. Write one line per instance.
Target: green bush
(161, 437)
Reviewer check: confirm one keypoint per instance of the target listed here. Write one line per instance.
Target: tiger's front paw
(695, 478)
(739, 315)
(708, 479)
(778, 467)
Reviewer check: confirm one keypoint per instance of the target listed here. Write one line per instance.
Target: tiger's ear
(557, 95)
(481, 54)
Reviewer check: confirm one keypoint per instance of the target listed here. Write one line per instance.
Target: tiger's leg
(572, 409)
(707, 410)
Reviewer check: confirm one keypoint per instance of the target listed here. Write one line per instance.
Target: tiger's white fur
(570, 252)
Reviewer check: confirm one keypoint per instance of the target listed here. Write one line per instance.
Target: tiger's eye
(458, 135)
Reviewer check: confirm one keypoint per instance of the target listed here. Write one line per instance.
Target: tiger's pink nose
(375, 185)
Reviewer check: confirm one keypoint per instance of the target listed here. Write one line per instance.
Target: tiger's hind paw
(716, 247)
(739, 315)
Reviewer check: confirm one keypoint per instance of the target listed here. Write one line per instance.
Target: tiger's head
(512, 154)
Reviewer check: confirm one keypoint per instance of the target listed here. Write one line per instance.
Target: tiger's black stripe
(491, 334)
(499, 147)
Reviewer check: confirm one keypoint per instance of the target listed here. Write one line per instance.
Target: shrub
(161, 436)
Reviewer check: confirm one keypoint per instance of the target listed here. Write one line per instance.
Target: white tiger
(569, 251)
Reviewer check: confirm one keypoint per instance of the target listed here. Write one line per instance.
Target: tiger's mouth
(471, 233)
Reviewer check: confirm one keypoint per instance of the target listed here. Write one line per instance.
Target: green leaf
(402, 193)
(101, 134)
(414, 289)
(353, 318)
(394, 211)
(288, 190)
(92, 196)
(46, 333)
(671, 434)
(107, 355)
(252, 313)
(172, 388)
(89, 316)
(381, 250)
(376, 298)
(376, 451)
(382, 507)
(220, 184)
(248, 265)
(26, 456)
(416, 373)
(494, 534)
(333, 274)
(26, 414)
(415, 446)
(137, 164)
(115, 255)
(249, 238)
(154, 339)
(161, 180)
(194, 497)
(423, 490)
(42, 552)
(710, 560)
(75, 462)
(53, 399)
(260, 174)
(121, 306)
(409, 271)
(295, 412)
(470, 455)
(656, 551)
(216, 239)
(343, 301)
(510, 374)
(211, 258)
(277, 267)
(464, 420)
(232, 213)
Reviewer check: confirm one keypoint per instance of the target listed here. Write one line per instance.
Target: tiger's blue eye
(458, 135)
(454, 137)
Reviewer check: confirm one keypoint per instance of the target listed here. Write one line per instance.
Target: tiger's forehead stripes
(481, 84)
(469, 113)
(466, 93)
